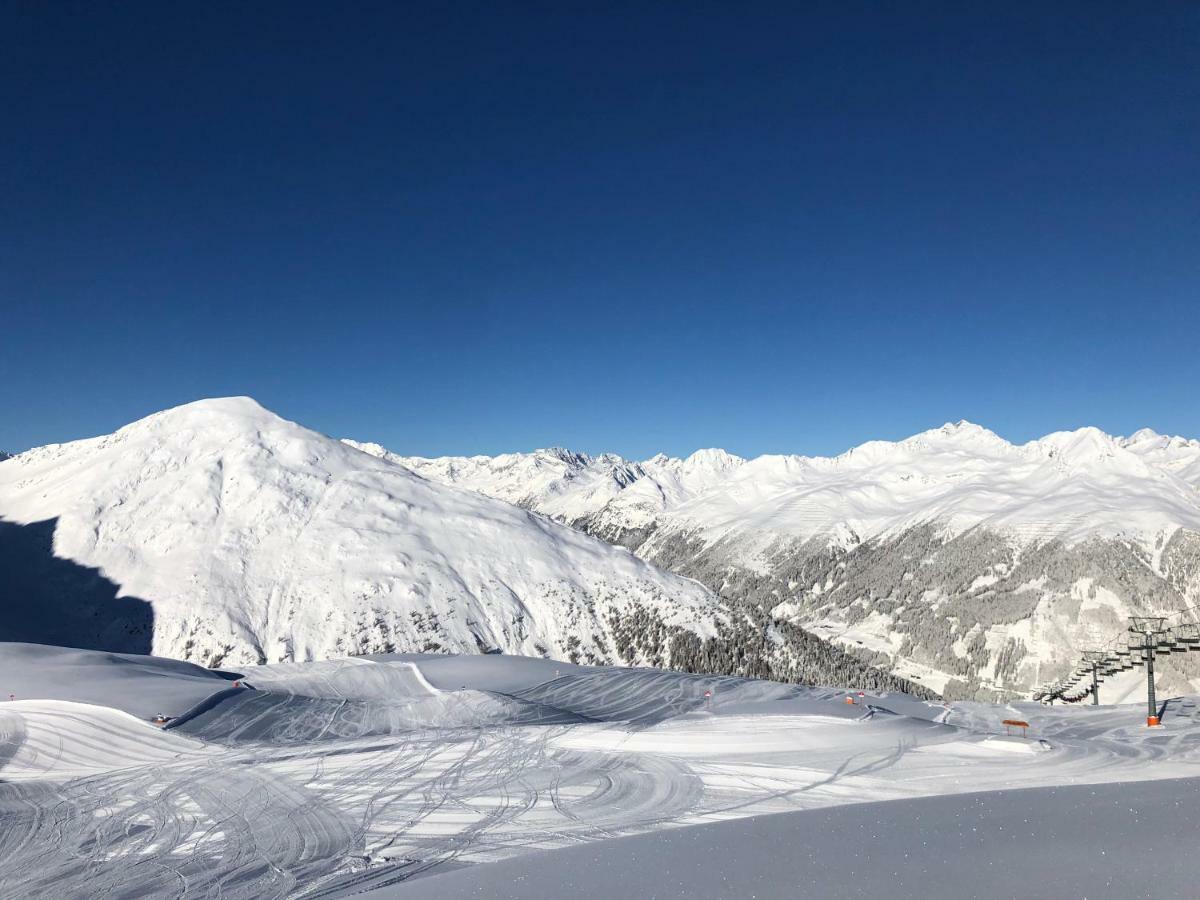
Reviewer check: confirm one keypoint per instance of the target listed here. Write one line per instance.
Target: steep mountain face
(222, 534)
(954, 557)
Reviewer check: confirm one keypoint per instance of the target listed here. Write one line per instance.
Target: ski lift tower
(1150, 630)
(1094, 659)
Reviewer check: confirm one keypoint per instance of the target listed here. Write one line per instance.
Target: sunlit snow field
(410, 775)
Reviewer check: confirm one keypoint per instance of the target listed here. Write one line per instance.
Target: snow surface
(343, 776)
(1114, 840)
(253, 539)
(1068, 485)
(143, 686)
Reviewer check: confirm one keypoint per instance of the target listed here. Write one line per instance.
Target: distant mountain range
(220, 533)
(955, 557)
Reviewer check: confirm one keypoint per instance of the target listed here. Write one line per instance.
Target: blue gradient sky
(608, 226)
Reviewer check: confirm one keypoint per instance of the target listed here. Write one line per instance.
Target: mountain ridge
(1027, 551)
(1159, 465)
(220, 533)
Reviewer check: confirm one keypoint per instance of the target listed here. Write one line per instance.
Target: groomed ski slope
(439, 777)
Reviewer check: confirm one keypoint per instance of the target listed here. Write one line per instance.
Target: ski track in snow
(333, 778)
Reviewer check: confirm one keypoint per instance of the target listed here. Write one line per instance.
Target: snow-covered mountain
(614, 498)
(220, 533)
(1067, 485)
(227, 534)
(952, 556)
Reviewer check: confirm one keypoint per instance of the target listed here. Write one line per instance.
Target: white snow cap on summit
(962, 426)
(713, 458)
(213, 408)
(1142, 435)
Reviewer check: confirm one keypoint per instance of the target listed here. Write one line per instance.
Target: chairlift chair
(1188, 633)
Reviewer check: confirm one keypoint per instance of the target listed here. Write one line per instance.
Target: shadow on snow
(45, 599)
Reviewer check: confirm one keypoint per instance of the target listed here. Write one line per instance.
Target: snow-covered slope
(953, 555)
(486, 776)
(221, 533)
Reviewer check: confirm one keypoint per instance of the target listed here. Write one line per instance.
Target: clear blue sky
(475, 228)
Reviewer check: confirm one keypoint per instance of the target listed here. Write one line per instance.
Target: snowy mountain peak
(249, 536)
(962, 426)
(964, 429)
(1084, 447)
(961, 436)
(1147, 440)
(570, 457)
(377, 450)
(712, 460)
(1144, 435)
(241, 409)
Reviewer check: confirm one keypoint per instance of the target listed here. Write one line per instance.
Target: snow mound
(61, 739)
(343, 679)
(142, 686)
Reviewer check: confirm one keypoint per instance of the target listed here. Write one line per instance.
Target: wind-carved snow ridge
(954, 557)
(253, 539)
